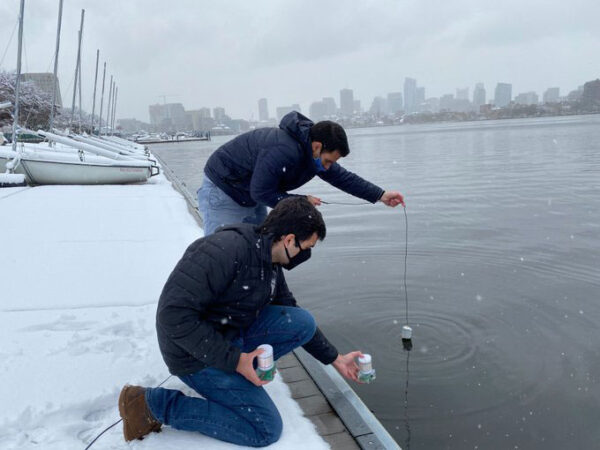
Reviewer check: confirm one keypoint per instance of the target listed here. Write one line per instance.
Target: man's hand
(316, 201)
(346, 365)
(392, 198)
(246, 369)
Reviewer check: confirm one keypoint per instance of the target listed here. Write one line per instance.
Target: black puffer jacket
(219, 287)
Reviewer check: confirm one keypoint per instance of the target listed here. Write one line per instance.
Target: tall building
(410, 95)
(177, 114)
(317, 111)
(263, 110)
(590, 97)
(168, 116)
(527, 98)
(575, 95)
(199, 119)
(219, 114)
(552, 95)
(378, 107)
(330, 106)
(478, 96)
(394, 102)
(156, 114)
(420, 97)
(45, 82)
(347, 102)
(503, 94)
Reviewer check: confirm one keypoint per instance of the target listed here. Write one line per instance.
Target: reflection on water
(503, 279)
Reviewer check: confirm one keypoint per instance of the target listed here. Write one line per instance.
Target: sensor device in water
(366, 372)
(407, 338)
(266, 366)
(406, 332)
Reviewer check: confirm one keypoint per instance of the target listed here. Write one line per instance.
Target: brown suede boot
(137, 418)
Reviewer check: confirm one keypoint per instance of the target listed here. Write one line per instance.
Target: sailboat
(73, 159)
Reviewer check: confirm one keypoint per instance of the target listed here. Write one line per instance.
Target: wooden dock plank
(328, 423)
(315, 404)
(341, 441)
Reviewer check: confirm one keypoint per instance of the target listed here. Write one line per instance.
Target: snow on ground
(82, 268)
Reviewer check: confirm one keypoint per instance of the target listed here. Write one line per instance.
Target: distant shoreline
(464, 120)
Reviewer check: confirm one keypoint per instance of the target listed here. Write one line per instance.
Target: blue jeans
(217, 208)
(233, 409)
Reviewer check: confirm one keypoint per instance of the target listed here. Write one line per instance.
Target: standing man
(225, 297)
(257, 168)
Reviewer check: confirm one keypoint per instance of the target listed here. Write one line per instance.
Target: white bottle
(266, 365)
(366, 372)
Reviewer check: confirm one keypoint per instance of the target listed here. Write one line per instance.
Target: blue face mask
(319, 164)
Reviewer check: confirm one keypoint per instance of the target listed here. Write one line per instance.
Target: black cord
(345, 203)
(105, 430)
(406, 417)
(405, 261)
(109, 427)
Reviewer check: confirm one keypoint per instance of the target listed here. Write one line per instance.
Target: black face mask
(302, 256)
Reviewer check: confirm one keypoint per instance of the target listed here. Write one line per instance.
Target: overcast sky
(231, 53)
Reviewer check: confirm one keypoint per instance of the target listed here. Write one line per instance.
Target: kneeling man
(225, 297)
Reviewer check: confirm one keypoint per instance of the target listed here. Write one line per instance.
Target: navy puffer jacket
(219, 287)
(261, 166)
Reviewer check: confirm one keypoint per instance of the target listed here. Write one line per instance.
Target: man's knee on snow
(272, 430)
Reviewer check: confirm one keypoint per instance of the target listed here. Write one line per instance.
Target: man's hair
(331, 135)
(294, 215)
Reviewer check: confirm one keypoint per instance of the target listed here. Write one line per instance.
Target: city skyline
(181, 52)
(501, 95)
(458, 93)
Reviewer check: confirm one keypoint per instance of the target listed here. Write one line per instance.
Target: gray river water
(503, 279)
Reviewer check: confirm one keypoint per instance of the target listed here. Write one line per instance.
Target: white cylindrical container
(366, 373)
(406, 332)
(265, 359)
(364, 363)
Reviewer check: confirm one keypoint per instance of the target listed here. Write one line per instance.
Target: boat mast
(108, 105)
(114, 109)
(95, 82)
(17, 86)
(101, 101)
(77, 68)
(60, 8)
(80, 120)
